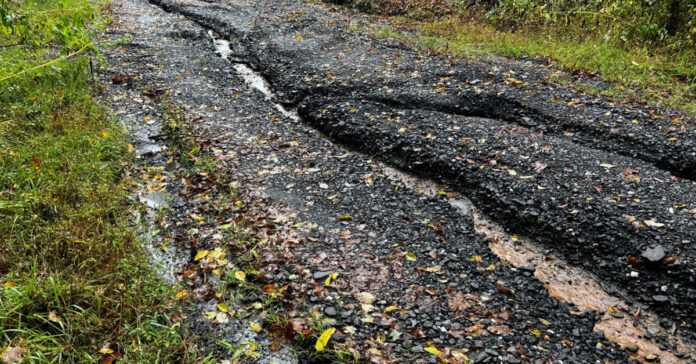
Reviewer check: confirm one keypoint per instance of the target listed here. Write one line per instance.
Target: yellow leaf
(217, 253)
(181, 294)
(210, 315)
(221, 318)
(255, 326)
(200, 255)
(390, 309)
(410, 257)
(332, 197)
(53, 317)
(432, 350)
(324, 339)
(333, 276)
(298, 37)
(345, 217)
(106, 349)
(222, 307)
(240, 275)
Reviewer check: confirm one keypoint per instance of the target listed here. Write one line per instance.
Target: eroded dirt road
(410, 243)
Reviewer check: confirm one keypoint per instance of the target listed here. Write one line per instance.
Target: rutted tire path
(446, 297)
(574, 184)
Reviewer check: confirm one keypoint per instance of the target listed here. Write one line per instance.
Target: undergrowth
(75, 285)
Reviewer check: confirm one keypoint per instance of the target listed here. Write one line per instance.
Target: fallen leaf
(653, 223)
(432, 350)
(221, 318)
(13, 354)
(365, 297)
(53, 316)
(239, 275)
(106, 349)
(332, 276)
(200, 255)
(506, 290)
(254, 326)
(417, 332)
(410, 257)
(296, 324)
(499, 330)
(390, 309)
(324, 339)
(430, 269)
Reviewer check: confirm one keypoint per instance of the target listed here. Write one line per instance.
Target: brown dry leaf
(457, 334)
(506, 290)
(430, 269)
(275, 346)
(500, 330)
(365, 297)
(13, 354)
(297, 324)
(417, 332)
(458, 302)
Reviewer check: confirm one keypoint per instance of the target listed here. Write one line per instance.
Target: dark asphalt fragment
(595, 202)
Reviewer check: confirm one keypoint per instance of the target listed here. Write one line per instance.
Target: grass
(75, 284)
(655, 74)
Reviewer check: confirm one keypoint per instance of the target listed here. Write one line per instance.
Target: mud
(326, 210)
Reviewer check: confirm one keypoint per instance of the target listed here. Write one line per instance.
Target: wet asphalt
(605, 186)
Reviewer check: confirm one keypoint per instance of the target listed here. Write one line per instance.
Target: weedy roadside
(75, 284)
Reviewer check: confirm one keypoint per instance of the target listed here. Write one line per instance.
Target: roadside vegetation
(75, 285)
(644, 48)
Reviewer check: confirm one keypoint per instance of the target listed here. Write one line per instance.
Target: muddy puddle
(251, 77)
(633, 329)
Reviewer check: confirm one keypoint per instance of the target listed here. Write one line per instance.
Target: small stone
(654, 254)
(617, 315)
(330, 311)
(632, 348)
(651, 357)
(660, 298)
(528, 267)
(321, 275)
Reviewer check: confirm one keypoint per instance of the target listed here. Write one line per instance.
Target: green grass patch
(75, 284)
(662, 77)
